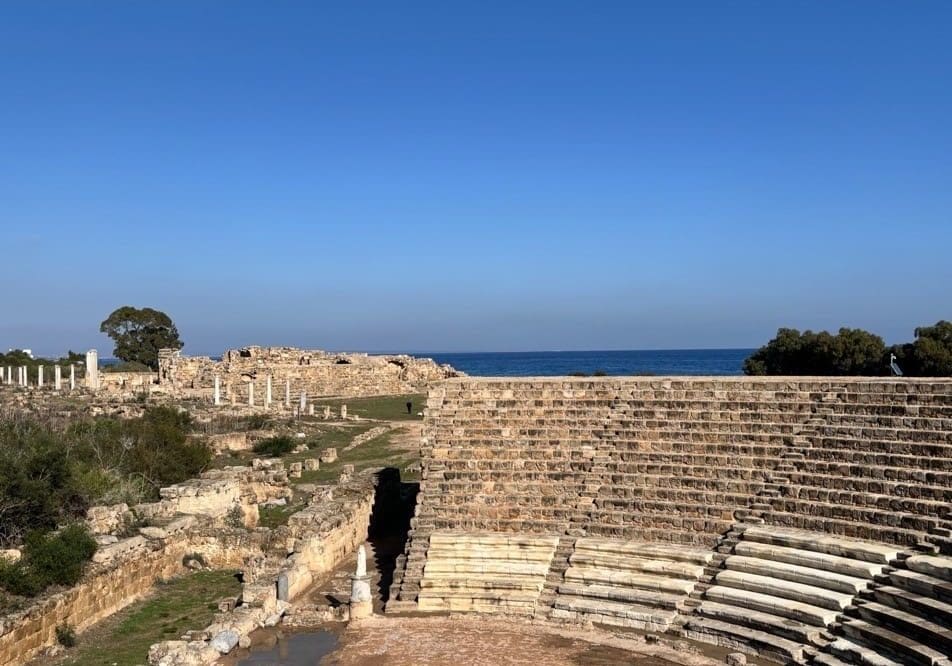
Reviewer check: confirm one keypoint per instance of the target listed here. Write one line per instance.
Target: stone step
(795, 610)
(824, 659)
(612, 612)
(856, 653)
(766, 622)
(905, 649)
(623, 595)
(481, 584)
(907, 624)
(778, 587)
(729, 634)
(922, 584)
(622, 579)
(937, 567)
(797, 574)
(629, 563)
(660, 551)
(487, 596)
(492, 539)
(477, 567)
(462, 605)
(911, 602)
(808, 558)
(823, 543)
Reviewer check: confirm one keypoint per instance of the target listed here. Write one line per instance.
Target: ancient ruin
(695, 520)
(801, 520)
(298, 372)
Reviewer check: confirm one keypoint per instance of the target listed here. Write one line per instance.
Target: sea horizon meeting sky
(474, 176)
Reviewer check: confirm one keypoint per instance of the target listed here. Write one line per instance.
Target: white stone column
(343, 412)
(361, 598)
(92, 370)
(303, 405)
(39, 376)
(287, 393)
(267, 393)
(26, 376)
(57, 378)
(9, 374)
(217, 390)
(72, 376)
(251, 393)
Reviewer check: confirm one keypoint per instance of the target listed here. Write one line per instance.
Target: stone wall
(317, 372)
(681, 459)
(105, 589)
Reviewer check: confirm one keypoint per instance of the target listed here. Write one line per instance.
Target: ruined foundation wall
(106, 589)
(680, 459)
(317, 372)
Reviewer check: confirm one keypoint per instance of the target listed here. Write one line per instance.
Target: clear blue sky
(453, 176)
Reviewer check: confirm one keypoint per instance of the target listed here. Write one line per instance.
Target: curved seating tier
(810, 494)
(485, 572)
(628, 584)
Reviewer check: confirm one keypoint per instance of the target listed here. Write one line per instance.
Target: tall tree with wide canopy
(139, 334)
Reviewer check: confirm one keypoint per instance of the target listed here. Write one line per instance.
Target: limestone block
(294, 471)
(328, 455)
(11, 555)
(312, 464)
(153, 532)
(225, 641)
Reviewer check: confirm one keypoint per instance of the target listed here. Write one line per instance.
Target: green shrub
(274, 447)
(17, 579)
(257, 421)
(66, 635)
(58, 558)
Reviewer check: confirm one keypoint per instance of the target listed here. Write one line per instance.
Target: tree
(139, 334)
(931, 353)
(851, 351)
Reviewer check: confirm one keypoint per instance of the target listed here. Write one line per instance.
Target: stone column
(361, 599)
(9, 374)
(217, 390)
(232, 395)
(39, 376)
(267, 393)
(92, 370)
(72, 376)
(251, 393)
(310, 410)
(343, 412)
(303, 405)
(57, 378)
(287, 393)
(26, 376)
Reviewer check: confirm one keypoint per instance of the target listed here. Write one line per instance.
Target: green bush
(58, 558)
(49, 558)
(18, 579)
(274, 447)
(66, 635)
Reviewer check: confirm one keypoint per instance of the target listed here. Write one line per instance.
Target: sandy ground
(438, 641)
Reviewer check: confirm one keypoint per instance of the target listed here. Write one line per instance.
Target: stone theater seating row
(485, 572)
(629, 584)
(842, 487)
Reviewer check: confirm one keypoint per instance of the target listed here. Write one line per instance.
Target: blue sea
(630, 362)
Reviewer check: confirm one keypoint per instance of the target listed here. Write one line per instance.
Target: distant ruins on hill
(283, 373)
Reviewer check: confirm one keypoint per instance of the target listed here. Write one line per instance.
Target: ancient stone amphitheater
(806, 520)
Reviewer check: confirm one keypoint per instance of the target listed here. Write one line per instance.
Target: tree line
(853, 351)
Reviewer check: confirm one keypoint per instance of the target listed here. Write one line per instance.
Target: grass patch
(378, 452)
(275, 516)
(384, 408)
(189, 602)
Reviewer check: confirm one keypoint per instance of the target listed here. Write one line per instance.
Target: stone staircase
(485, 573)
(904, 617)
(781, 591)
(628, 584)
